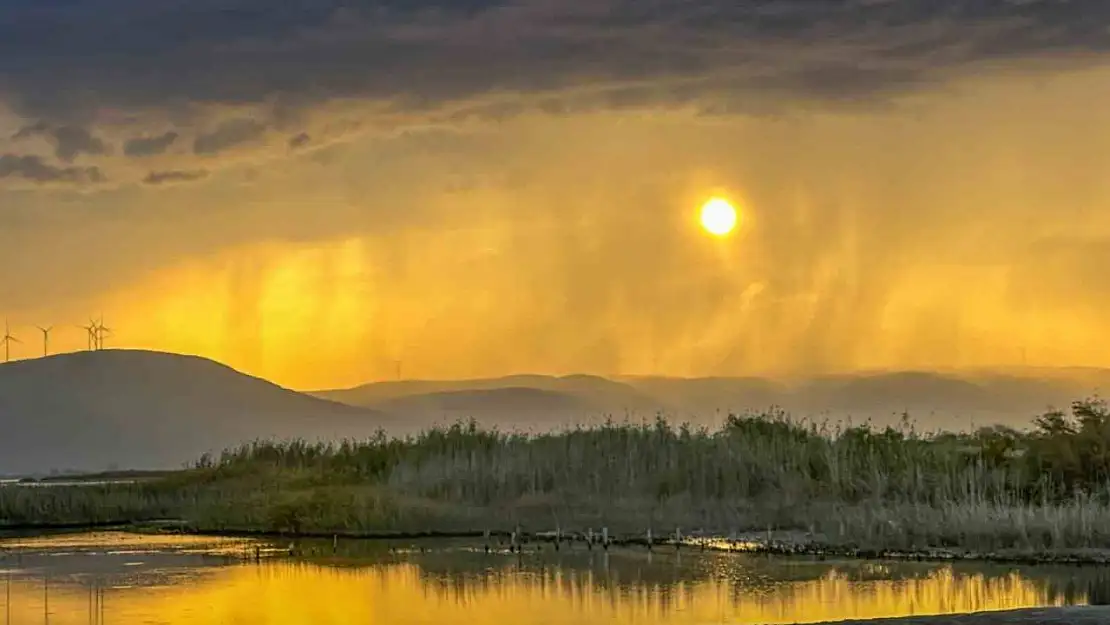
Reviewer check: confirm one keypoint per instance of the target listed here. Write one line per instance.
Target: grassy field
(1046, 488)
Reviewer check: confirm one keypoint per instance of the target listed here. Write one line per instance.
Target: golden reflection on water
(285, 592)
(110, 540)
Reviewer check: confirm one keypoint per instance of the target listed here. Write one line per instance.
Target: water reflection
(110, 585)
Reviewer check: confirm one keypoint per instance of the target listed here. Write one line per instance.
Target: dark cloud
(69, 141)
(228, 135)
(34, 169)
(32, 130)
(299, 140)
(149, 146)
(131, 54)
(164, 177)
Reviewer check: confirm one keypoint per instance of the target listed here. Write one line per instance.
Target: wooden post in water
(334, 543)
(590, 539)
(649, 538)
(605, 538)
(677, 538)
(558, 536)
(486, 537)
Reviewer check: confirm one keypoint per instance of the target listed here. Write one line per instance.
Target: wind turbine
(8, 340)
(45, 339)
(90, 333)
(101, 331)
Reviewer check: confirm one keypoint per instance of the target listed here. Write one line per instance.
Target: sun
(718, 217)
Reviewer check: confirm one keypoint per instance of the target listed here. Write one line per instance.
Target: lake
(120, 578)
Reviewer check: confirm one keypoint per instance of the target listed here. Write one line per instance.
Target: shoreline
(760, 484)
(1068, 615)
(780, 544)
(706, 543)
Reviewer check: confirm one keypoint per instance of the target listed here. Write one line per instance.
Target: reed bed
(1045, 487)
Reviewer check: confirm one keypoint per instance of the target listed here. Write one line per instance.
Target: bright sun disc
(718, 217)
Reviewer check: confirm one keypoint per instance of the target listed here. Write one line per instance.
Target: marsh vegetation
(1045, 488)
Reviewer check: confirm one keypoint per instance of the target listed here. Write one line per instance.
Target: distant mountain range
(516, 401)
(932, 400)
(149, 410)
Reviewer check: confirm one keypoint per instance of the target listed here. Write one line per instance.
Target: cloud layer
(165, 177)
(33, 169)
(128, 62)
(480, 188)
(130, 54)
(149, 146)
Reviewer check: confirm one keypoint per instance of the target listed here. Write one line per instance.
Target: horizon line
(611, 377)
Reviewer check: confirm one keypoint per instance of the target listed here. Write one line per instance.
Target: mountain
(509, 408)
(515, 401)
(933, 400)
(701, 398)
(150, 410)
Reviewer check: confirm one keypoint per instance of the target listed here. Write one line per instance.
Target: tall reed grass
(1045, 487)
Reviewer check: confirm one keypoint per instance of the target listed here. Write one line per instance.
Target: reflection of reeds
(890, 488)
(297, 592)
(829, 593)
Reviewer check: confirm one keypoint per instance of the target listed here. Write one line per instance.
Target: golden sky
(931, 193)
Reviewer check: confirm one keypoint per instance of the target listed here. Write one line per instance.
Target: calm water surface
(130, 579)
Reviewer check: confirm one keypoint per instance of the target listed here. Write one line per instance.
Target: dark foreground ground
(1086, 615)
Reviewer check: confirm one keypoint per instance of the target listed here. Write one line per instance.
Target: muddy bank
(1092, 615)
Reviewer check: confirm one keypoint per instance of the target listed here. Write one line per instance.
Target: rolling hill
(596, 390)
(131, 409)
(510, 402)
(138, 409)
(508, 407)
(933, 400)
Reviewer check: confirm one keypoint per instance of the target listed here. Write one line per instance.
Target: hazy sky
(314, 190)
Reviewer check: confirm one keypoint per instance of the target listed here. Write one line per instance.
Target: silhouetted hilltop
(140, 409)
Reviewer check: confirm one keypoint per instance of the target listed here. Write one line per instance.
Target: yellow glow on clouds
(961, 229)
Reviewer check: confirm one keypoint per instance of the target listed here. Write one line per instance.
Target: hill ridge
(145, 409)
